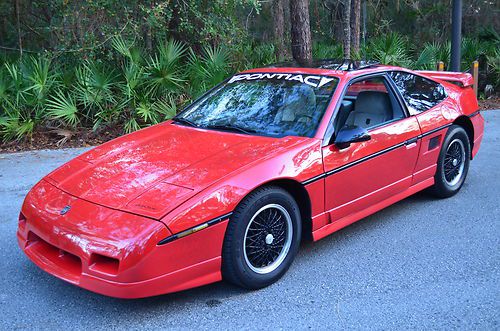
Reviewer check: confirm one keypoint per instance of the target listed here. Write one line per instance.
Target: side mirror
(350, 134)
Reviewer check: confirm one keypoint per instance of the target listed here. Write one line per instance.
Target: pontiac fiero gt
(228, 187)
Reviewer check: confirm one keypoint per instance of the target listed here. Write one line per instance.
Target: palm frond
(163, 77)
(39, 77)
(171, 53)
(131, 125)
(94, 86)
(391, 49)
(165, 107)
(5, 84)
(15, 128)
(134, 78)
(470, 51)
(17, 87)
(63, 108)
(121, 46)
(209, 69)
(146, 113)
(427, 59)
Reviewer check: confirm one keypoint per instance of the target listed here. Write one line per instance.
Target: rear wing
(461, 79)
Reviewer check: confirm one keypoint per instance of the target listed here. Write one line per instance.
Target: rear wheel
(262, 238)
(453, 163)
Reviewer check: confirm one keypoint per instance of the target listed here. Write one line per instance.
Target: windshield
(264, 104)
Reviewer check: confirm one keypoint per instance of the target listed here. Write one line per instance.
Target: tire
(267, 220)
(453, 163)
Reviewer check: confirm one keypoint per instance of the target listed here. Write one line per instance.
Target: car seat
(371, 108)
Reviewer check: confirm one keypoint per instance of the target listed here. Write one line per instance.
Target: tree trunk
(347, 29)
(356, 25)
(18, 21)
(278, 10)
(336, 11)
(316, 15)
(301, 31)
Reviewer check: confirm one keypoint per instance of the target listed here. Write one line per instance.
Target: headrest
(374, 102)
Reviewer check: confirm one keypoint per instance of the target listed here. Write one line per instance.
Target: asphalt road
(421, 263)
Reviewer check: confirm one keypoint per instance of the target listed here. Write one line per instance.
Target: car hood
(153, 170)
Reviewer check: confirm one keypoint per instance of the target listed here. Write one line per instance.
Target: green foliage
(431, 54)
(15, 128)
(93, 93)
(24, 88)
(130, 64)
(163, 69)
(327, 51)
(94, 87)
(250, 55)
(392, 49)
(39, 77)
(471, 49)
(207, 70)
(62, 107)
(493, 57)
(133, 90)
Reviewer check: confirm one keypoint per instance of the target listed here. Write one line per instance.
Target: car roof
(331, 64)
(328, 67)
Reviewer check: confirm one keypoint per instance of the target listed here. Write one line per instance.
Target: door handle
(411, 141)
(410, 146)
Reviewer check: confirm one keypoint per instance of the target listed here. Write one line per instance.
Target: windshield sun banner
(314, 81)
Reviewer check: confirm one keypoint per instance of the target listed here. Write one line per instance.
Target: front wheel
(262, 238)
(453, 163)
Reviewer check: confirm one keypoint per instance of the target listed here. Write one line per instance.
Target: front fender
(299, 163)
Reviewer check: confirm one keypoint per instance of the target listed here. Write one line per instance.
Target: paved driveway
(422, 263)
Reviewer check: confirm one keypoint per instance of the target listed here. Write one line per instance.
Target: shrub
(136, 88)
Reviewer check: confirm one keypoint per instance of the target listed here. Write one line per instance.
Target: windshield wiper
(185, 121)
(231, 127)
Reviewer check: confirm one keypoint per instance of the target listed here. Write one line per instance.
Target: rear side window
(419, 93)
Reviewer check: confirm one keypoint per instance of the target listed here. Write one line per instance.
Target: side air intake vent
(104, 264)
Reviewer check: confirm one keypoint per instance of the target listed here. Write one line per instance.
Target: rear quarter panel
(434, 124)
(478, 124)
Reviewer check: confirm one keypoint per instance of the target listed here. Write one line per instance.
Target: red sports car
(228, 188)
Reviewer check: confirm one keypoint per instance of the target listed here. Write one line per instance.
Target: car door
(366, 173)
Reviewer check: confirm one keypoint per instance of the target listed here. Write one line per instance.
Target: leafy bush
(323, 50)
(431, 54)
(136, 87)
(392, 49)
(24, 89)
(207, 70)
(133, 91)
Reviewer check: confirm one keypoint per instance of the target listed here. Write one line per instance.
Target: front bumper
(67, 267)
(111, 252)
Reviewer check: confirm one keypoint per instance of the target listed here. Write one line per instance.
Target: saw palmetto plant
(138, 87)
(208, 69)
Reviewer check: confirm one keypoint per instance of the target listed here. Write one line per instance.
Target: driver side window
(368, 103)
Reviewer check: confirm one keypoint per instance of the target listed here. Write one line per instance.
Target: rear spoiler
(461, 79)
